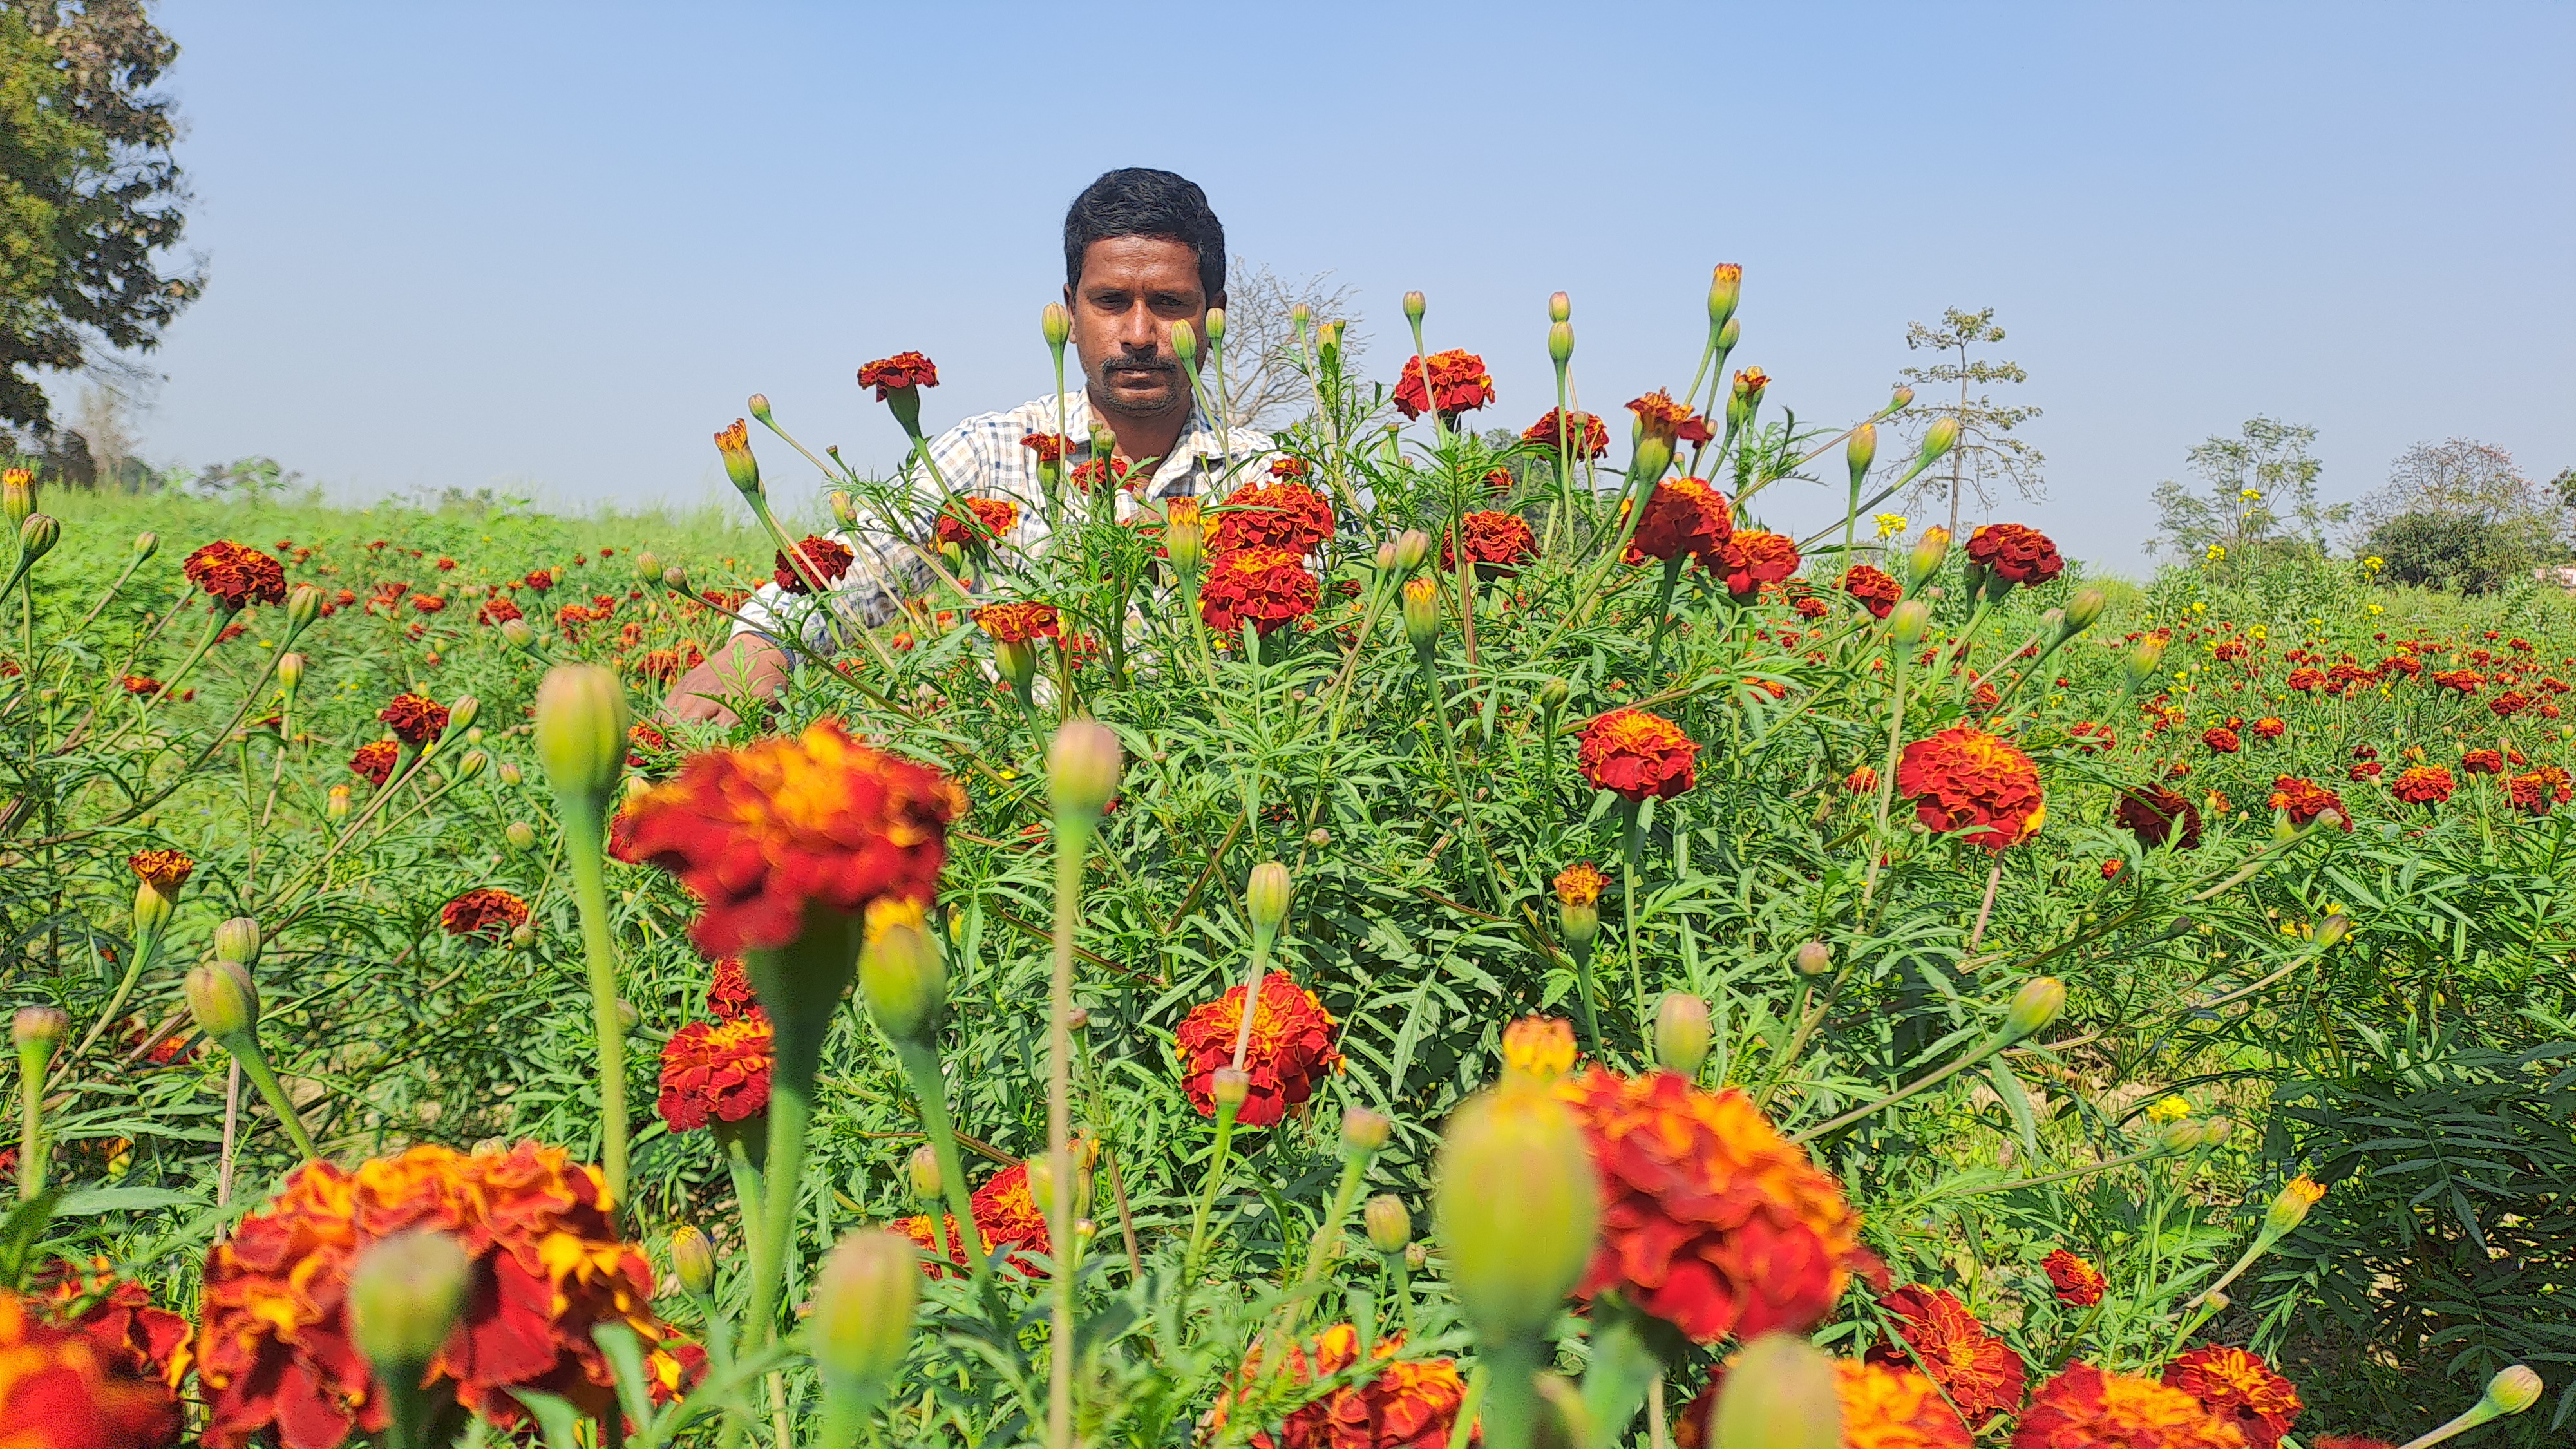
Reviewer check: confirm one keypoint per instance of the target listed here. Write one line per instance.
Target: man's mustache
(1138, 364)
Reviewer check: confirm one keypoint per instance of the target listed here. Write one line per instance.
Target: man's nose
(1139, 330)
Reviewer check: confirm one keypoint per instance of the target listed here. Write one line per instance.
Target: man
(1142, 251)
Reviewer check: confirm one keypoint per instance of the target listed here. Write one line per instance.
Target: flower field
(1708, 985)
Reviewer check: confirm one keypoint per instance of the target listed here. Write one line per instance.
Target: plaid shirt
(983, 457)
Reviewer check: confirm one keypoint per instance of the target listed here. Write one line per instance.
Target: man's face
(1133, 289)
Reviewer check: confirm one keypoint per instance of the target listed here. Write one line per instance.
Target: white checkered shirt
(983, 457)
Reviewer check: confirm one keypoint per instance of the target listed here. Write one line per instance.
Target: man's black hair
(1139, 201)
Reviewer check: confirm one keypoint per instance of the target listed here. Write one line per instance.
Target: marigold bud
(1815, 958)
(290, 671)
(1266, 895)
(2290, 1206)
(1185, 535)
(1560, 342)
(1017, 662)
(1364, 1130)
(901, 974)
(676, 579)
(405, 1296)
(37, 537)
(1041, 1183)
(2327, 820)
(864, 1299)
(1860, 451)
(1216, 325)
(1411, 547)
(471, 764)
(303, 606)
(2182, 1136)
(1421, 613)
(152, 908)
(336, 805)
(1907, 622)
(1560, 307)
(2145, 660)
(648, 569)
(921, 1173)
(1779, 1395)
(509, 773)
(517, 634)
(1300, 314)
(1228, 1086)
(523, 936)
(460, 717)
(581, 733)
(1083, 766)
(1901, 399)
(1725, 287)
(17, 494)
(2332, 930)
(693, 1258)
(2082, 610)
(1579, 923)
(1415, 304)
(522, 836)
(1389, 1224)
(1681, 1033)
(1385, 559)
(758, 406)
(2034, 1006)
(2513, 1389)
(2216, 1131)
(734, 443)
(38, 1026)
(1939, 438)
(238, 940)
(1925, 560)
(223, 999)
(1553, 694)
(1517, 1203)
(1185, 342)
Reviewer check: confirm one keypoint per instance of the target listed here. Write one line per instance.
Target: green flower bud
(1041, 1183)
(37, 537)
(1779, 1395)
(238, 940)
(290, 671)
(335, 806)
(520, 835)
(1579, 923)
(1411, 547)
(1681, 1033)
(1560, 307)
(523, 936)
(1299, 314)
(1364, 1130)
(2145, 660)
(1725, 289)
(693, 1258)
(1907, 622)
(2513, 1389)
(1228, 1086)
(509, 773)
(1415, 304)
(471, 764)
(2183, 1136)
(1729, 335)
(1421, 609)
(517, 634)
(303, 606)
(2082, 610)
(1861, 450)
(2332, 930)
(405, 1295)
(2034, 1006)
(223, 1000)
(1185, 342)
(38, 1027)
(1266, 895)
(2216, 1131)
(864, 1299)
(1216, 325)
(581, 733)
(2290, 1205)
(1553, 694)
(1517, 1204)
(1925, 560)
(152, 908)
(1389, 1225)
(758, 406)
(921, 1172)
(1814, 959)
(1560, 342)
(1055, 324)
(1901, 399)
(1938, 439)
(146, 544)
(648, 570)
(676, 579)
(1017, 662)
(901, 974)
(1083, 766)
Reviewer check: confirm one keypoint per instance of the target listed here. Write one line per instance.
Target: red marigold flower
(2462, 680)
(1980, 1372)
(2305, 680)
(2306, 800)
(2015, 554)
(1291, 1052)
(116, 1314)
(1112, 469)
(1710, 1220)
(1495, 542)
(2078, 1283)
(1266, 586)
(497, 611)
(1641, 756)
(901, 372)
(375, 761)
(2085, 1408)
(1581, 884)
(273, 1349)
(761, 833)
(2221, 739)
(540, 579)
(163, 870)
(416, 719)
(1017, 623)
(1882, 1408)
(2239, 1388)
(2269, 727)
(1664, 418)
(715, 1070)
(987, 519)
(1591, 434)
(60, 1389)
(484, 911)
(729, 995)
(2483, 762)
(2091, 738)
(1458, 384)
(2365, 770)
(142, 684)
(1876, 589)
(1754, 557)
(421, 603)
(2422, 785)
(2155, 814)
(2510, 703)
(1811, 607)
(1683, 516)
(829, 559)
(1862, 780)
(1271, 515)
(1050, 447)
(1968, 780)
(2534, 793)
(1411, 1404)
(235, 576)
(1005, 1217)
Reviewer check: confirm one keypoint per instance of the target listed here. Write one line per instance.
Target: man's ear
(1068, 296)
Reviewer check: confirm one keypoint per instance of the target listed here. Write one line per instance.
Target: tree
(2460, 515)
(2260, 498)
(1986, 453)
(90, 197)
(1265, 383)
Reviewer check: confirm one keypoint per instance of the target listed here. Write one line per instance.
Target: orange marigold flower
(1458, 384)
(2483, 762)
(235, 576)
(715, 1070)
(1979, 1371)
(1641, 756)
(2221, 739)
(273, 1349)
(1661, 417)
(2423, 785)
(2085, 1408)
(729, 994)
(828, 558)
(422, 603)
(1005, 1217)
(1539, 1046)
(2078, 1283)
(901, 372)
(1291, 1051)
(1495, 542)
(484, 911)
(1049, 447)
(142, 684)
(1876, 589)
(497, 611)
(2306, 680)
(1580, 884)
(1112, 469)
(1710, 1220)
(2306, 800)
(163, 870)
(60, 1389)
(2510, 703)
(1749, 382)
(1271, 515)
(2269, 727)
(1754, 557)
(1968, 780)
(116, 1314)
(1266, 587)
(1684, 516)
(2015, 554)
(1288, 470)
(375, 761)
(1863, 780)
(1591, 435)
(1017, 623)
(1408, 1404)
(2535, 792)
(762, 833)
(986, 519)
(416, 719)
(2464, 681)
(2239, 1388)
(540, 579)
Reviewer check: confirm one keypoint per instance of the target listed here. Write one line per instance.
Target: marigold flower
(163, 870)
(1005, 1217)
(2306, 800)
(2015, 554)
(1458, 384)
(2423, 785)
(2510, 703)
(1664, 418)
(1968, 780)
(729, 994)
(1639, 755)
(1754, 557)
(273, 1349)
(484, 911)
(2483, 762)
(1882, 1408)
(2306, 680)
(416, 719)
(1683, 516)
(142, 684)
(828, 558)
(1540, 1047)
(761, 833)
(540, 579)
(1495, 542)
(1017, 623)
(1749, 382)
(497, 611)
(715, 1071)
(1286, 515)
(60, 1389)
(235, 576)
(1267, 587)
(1112, 469)
(986, 519)
(2085, 1408)
(2078, 1283)
(1592, 435)
(2237, 1387)
(899, 373)
(1874, 587)
(1863, 780)
(375, 761)
(1290, 1054)
(2535, 792)
(2269, 727)
(1412, 1404)
(1049, 447)
(1580, 884)
(116, 1314)
(1289, 469)
(1980, 1372)
(2463, 681)
(2222, 740)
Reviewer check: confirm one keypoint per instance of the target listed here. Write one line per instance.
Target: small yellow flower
(2216, 552)
(2375, 610)
(2374, 563)
(2199, 607)
(2250, 495)
(2171, 1109)
(2259, 633)
(1889, 524)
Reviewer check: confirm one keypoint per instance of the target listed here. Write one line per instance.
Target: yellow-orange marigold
(1408, 1404)
(1968, 780)
(163, 870)
(2085, 1408)
(2237, 1387)
(1581, 884)
(1641, 756)
(59, 1389)
(1290, 1053)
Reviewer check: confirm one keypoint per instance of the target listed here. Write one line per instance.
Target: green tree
(2258, 499)
(90, 197)
(1987, 454)
(2460, 515)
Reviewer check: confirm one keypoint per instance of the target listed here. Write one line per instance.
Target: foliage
(1987, 455)
(2460, 515)
(2260, 503)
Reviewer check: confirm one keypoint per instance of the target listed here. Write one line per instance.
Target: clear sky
(551, 247)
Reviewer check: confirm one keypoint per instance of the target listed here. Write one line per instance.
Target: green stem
(254, 1062)
(1073, 843)
(1207, 1192)
(1632, 844)
(31, 1118)
(1511, 1396)
(921, 1065)
(146, 944)
(599, 946)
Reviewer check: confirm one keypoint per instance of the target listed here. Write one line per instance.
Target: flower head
(1639, 755)
(2155, 814)
(1661, 417)
(2269, 727)
(1874, 587)
(1968, 780)
(61, 1389)
(2015, 554)
(1683, 516)
(829, 558)
(483, 911)
(1538, 1048)
(716, 1071)
(900, 373)
(1495, 542)
(1458, 384)
(1005, 1217)
(1754, 557)
(985, 519)
(729, 993)
(163, 870)
(1710, 1220)
(375, 761)
(1979, 1371)
(1017, 623)
(1286, 515)
(2423, 785)
(2078, 1283)
(2085, 1408)
(1291, 1051)
(764, 832)
(235, 576)
(1407, 1404)
(2222, 740)
(1266, 587)
(1049, 447)
(1591, 436)
(2305, 800)
(1749, 382)
(117, 1314)
(1086, 475)
(2483, 762)
(1580, 884)
(416, 719)
(2238, 1388)
(2535, 792)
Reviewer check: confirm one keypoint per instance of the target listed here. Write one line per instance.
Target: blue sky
(551, 247)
